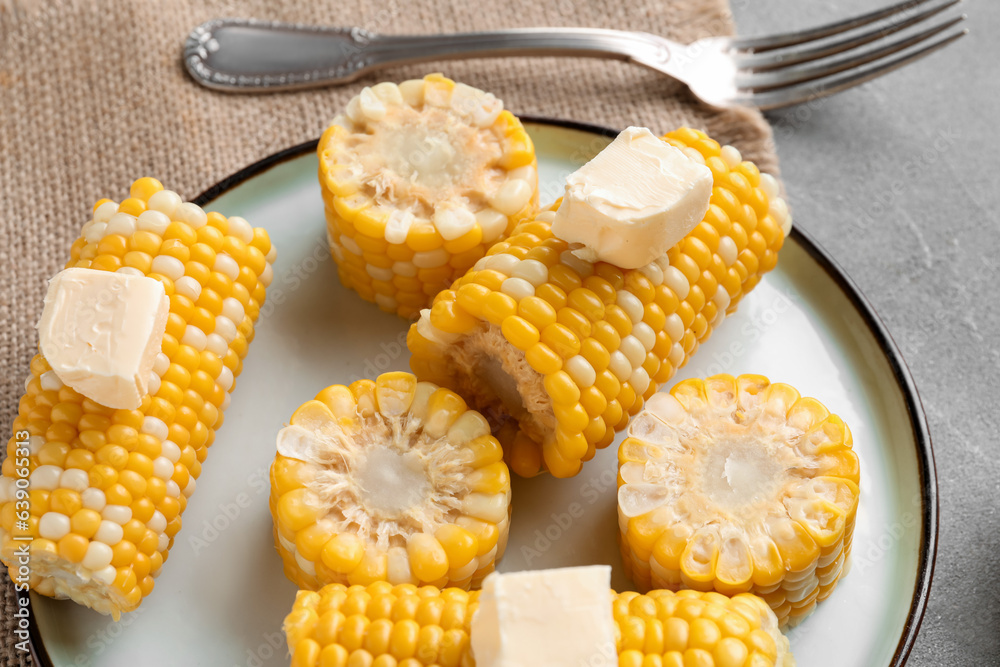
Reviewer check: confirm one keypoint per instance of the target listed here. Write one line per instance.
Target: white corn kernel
(620, 366)
(164, 201)
(225, 328)
(194, 337)
(152, 221)
(531, 270)
(233, 309)
(104, 212)
(155, 427)
(518, 288)
(53, 526)
(227, 266)
(121, 223)
(631, 304)
(163, 467)
(453, 222)
(397, 228)
(370, 105)
(46, 477)
(493, 223)
(387, 92)
(75, 479)
(50, 381)
(731, 156)
(512, 196)
(633, 350)
(93, 499)
(120, 514)
(240, 228)
(188, 286)
(677, 281)
(412, 92)
(581, 371)
(109, 532)
(191, 214)
(171, 267)
(98, 556)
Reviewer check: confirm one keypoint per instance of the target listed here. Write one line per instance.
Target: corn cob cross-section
(405, 626)
(108, 486)
(736, 484)
(389, 480)
(418, 180)
(560, 351)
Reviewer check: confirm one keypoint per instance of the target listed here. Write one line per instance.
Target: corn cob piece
(559, 351)
(405, 626)
(736, 484)
(389, 480)
(419, 180)
(107, 487)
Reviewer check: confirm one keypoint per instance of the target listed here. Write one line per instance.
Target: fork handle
(245, 55)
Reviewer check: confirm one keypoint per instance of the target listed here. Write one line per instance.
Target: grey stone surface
(898, 180)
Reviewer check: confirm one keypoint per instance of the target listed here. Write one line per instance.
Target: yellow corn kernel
(768, 529)
(405, 625)
(402, 235)
(404, 452)
(135, 466)
(550, 331)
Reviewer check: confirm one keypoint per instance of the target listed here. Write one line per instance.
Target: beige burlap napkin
(93, 95)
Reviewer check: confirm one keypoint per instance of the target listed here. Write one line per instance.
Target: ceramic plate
(221, 597)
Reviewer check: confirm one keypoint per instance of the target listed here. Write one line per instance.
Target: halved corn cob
(107, 487)
(736, 484)
(418, 180)
(405, 626)
(389, 480)
(560, 352)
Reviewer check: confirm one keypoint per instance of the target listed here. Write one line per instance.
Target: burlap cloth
(93, 95)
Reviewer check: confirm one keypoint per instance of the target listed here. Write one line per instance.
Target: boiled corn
(736, 484)
(389, 480)
(107, 487)
(419, 180)
(559, 352)
(404, 626)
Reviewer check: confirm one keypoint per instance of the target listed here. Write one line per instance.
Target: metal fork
(242, 55)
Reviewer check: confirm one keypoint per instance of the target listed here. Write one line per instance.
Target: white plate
(221, 597)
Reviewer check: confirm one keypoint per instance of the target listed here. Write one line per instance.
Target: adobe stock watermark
(295, 276)
(273, 644)
(101, 640)
(384, 360)
(758, 324)
(865, 556)
(227, 513)
(561, 521)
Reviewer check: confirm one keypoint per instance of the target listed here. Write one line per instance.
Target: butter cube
(544, 618)
(101, 331)
(634, 201)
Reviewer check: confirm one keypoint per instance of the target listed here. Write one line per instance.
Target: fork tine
(805, 92)
(775, 60)
(766, 43)
(787, 76)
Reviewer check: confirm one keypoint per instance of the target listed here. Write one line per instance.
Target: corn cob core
(405, 626)
(418, 180)
(736, 484)
(107, 487)
(389, 480)
(559, 352)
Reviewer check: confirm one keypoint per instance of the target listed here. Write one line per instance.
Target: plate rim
(929, 499)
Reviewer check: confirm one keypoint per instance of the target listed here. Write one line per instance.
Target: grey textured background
(894, 179)
(897, 179)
